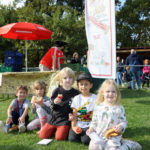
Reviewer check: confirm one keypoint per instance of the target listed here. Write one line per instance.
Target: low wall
(11, 80)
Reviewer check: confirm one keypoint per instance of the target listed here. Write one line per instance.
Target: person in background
(84, 60)
(134, 60)
(82, 106)
(119, 71)
(40, 106)
(75, 58)
(128, 77)
(146, 73)
(18, 111)
(53, 58)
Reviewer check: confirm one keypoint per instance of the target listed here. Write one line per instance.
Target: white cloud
(6, 2)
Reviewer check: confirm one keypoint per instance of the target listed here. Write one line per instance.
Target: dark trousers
(15, 117)
(146, 80)
(79, 137)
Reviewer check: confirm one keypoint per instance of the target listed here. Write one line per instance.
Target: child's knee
(85, 141)
(93, 146)
(60, 138)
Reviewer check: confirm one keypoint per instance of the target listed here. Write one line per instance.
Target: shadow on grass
(145, 144)
(14, 147)
(128, 93)
(133, 132)
(143, 102)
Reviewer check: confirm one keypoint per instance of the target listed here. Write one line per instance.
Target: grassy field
(137, 106)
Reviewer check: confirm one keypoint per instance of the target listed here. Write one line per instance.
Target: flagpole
(26, 56)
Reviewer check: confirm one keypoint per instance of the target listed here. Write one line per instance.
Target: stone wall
(13, 79)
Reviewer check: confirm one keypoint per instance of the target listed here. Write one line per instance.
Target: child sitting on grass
(40, 105)
(18, 111)
(61, 99)
(109, 121)
(82, 106)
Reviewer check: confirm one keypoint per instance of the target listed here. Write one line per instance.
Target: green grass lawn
(137, 107)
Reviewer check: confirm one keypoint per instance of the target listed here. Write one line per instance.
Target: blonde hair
(67, 71)
(75, 54)
(39, 84)
(127, 68)
(106, 83)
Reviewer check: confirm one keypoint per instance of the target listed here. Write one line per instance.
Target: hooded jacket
(134, 59)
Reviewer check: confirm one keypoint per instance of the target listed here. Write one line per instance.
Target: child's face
(21, 94)
(110, 95)
(39, 91)
(84, 87)
(146, 62)
(67, 81)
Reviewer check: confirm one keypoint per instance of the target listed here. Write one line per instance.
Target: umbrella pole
(26, 56)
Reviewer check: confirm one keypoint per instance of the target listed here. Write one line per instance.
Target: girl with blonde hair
(109, 121)
(40, 106)
(61, 100)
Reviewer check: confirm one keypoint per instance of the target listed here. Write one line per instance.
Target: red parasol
(25, 31)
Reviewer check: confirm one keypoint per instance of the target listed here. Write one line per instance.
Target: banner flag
(100, 31)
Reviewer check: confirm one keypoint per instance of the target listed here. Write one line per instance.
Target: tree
(133, 24)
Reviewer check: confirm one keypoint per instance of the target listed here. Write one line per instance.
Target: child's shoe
(7, 127)
(132, 145)
(123, 85)
(22, 127)
(14, 128)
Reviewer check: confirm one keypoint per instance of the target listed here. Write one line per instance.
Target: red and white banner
(100, 31)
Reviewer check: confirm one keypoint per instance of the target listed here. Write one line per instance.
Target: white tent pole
(26, 57)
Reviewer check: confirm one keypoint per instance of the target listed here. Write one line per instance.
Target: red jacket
(47, 59)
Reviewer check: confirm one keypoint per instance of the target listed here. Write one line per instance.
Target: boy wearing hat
(82, 106)
(53, 58)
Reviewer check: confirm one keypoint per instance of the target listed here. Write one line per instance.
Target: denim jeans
(119, 78)
(136, 76)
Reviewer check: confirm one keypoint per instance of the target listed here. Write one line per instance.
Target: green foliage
(133, 24)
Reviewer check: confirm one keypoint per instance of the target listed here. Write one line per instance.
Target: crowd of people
(74, 114)
(134, 70)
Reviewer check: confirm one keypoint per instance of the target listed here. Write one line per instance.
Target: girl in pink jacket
(146, 73)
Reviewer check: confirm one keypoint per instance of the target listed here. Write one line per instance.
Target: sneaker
(7, 127)
(22, 127)
(132, 145)
(14, 128)
(122, 84)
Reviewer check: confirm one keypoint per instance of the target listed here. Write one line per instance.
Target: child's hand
(118, 128)
(21, 119)
(57, 100)
(33, 105)
(9, 120)
(77, 130)
(90, 130)
(71, 117)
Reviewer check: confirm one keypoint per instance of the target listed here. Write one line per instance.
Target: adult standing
(134, 60)
(53, 58)
(119, 71)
